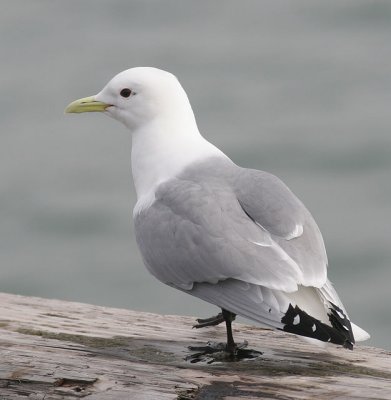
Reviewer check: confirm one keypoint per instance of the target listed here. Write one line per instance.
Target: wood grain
(51, 349)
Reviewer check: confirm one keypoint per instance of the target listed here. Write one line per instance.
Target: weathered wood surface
(53, 350)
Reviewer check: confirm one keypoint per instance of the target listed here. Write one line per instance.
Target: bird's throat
(160, 155)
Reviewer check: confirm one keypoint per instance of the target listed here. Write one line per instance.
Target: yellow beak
(86, 104)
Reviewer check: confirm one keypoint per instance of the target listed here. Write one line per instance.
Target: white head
(138, 96)
(165, 137)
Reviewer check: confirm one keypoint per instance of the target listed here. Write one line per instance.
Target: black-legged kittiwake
(234, 237)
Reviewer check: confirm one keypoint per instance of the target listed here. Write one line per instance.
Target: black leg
(213, 351)
(212, 321)
(228, 318)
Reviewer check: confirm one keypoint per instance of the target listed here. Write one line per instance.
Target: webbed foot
(219, 352)
(212, 321)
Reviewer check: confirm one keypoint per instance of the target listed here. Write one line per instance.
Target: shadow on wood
(54, 349)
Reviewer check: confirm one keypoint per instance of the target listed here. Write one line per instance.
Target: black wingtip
(340, 321)
(348, 345)
(300, 323)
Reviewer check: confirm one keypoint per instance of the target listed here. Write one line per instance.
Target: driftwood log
(52, 349)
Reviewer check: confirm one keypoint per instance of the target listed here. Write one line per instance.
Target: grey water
(301, 89)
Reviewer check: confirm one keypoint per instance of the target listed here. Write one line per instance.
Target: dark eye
(125, 92)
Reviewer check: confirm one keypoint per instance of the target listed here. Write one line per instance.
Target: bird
(235, 237)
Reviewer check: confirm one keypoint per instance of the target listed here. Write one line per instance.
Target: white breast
(161, 151)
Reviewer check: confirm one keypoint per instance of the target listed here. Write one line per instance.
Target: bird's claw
(218, 352)
(212, 321)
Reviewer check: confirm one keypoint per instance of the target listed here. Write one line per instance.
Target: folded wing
(208, 226)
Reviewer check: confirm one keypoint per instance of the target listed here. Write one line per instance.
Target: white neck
(161, 150)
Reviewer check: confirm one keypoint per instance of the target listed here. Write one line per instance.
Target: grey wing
(271, 204)
(198, 231)
(243, 242)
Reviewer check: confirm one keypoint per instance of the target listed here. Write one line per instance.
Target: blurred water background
(301, 89)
